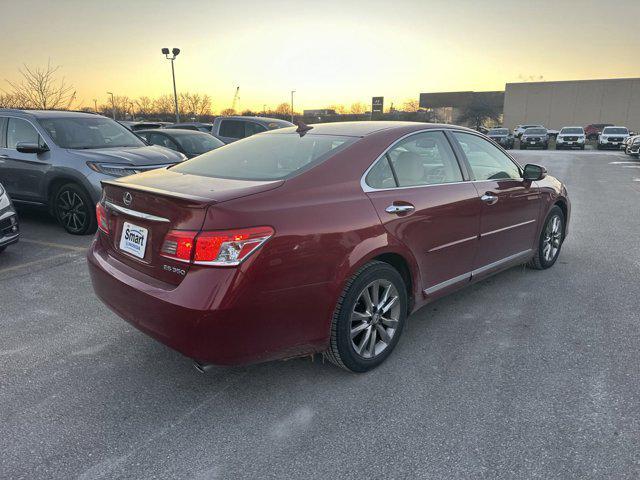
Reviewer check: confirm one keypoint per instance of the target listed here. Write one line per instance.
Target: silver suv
(57, 159)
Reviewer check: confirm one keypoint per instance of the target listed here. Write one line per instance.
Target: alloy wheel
(375, 318)
(552, 238)
(72, 211)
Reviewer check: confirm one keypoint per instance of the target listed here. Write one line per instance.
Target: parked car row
(537, 136)
(226, 129)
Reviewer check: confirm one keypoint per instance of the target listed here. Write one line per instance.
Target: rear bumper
(215, 315)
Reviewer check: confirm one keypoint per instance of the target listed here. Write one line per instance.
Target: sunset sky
(330, 52)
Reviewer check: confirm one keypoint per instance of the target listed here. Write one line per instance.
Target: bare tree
(8, 100)
(227, 111)
(194, 104)
(358, 108)
(40, 88)
(163, 105)
(411, 105)
(477, 113)
(283, 109)
(339, 109)
(145, 106)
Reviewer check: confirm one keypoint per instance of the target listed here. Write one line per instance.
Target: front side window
(89, 133)
(21, 131)
(421, 159)
(232, 129)
(265, 157)
(487, 161)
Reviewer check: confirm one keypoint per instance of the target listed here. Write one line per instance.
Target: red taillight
(178, 244)
(219, 248)
(101, 217)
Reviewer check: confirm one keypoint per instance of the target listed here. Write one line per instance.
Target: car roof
(173, 131)
(189, 123)
(615, 126)
(572, 126)
(254, 119)
(49, 113)
(362, 129)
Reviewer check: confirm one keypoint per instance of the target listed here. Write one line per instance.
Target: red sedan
(317, 239)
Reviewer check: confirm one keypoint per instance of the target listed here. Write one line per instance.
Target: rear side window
(487, 161)
(421, 159)
(162, 140)
(231, 129)
(251, 128)
(19, 131)
(265, 157)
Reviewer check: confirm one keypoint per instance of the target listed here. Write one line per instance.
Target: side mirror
(534, 172)
(26, 147)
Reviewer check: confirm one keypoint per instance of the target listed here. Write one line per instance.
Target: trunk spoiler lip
(179, 195)
(158, 191)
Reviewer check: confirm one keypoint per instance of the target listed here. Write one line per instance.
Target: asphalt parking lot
(530, 374)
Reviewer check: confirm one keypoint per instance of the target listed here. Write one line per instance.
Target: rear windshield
(535, 131)
(265, 157)
(615, 131)
(572, 131)
(499, 131)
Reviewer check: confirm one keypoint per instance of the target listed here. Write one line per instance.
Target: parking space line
(35, 262)
(54, 245)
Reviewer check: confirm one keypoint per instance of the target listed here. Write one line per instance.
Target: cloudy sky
(330, 52)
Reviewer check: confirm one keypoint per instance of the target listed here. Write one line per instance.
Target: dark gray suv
(57, 159)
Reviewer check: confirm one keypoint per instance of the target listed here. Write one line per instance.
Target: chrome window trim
(135, 213)
(469, 275)
(367, 189)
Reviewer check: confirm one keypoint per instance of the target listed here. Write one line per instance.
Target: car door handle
(399, 208)
(489, 198)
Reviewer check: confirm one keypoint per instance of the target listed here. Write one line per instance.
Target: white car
(519, 130)
(632, 146)
(612, 137)
(570, 137)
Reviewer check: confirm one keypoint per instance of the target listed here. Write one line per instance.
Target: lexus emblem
(127, 198)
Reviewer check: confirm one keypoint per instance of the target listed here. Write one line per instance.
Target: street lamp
(113, 105)
(175, 52)
(292, 92)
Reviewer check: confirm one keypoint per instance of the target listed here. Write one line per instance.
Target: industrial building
(579, 102)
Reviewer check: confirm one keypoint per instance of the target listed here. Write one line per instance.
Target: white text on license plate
(133, 239)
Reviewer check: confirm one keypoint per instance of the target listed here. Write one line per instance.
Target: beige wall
(559, 104)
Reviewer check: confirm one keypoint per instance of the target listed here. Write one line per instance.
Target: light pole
(113, 105)
(292, 92)
(175, 52)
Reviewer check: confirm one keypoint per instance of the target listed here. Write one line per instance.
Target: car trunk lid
(145, 207)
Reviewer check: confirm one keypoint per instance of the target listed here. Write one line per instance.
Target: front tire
(550, 241)
(74, 210)
(368, 318)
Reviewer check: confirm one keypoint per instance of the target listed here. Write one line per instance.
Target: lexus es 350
(317, 239)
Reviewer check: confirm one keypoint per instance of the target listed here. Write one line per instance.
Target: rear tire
(74, 210)
(550, 241)
(368, 319)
